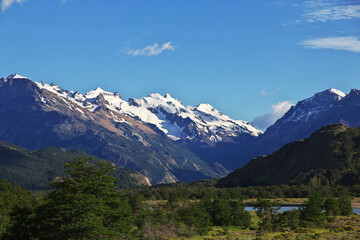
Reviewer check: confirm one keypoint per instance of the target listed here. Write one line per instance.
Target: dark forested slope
(35, 169)
(330, 156)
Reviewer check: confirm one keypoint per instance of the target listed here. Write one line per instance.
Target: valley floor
(355, 202)
(342, 228)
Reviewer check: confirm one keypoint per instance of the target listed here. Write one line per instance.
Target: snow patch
(337, 92)
(165, 112)
(16, 76)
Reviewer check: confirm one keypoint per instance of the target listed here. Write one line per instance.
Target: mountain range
(156, 135)
(330, 155)
(37, 115)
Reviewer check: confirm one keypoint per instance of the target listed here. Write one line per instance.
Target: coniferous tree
(312, 211)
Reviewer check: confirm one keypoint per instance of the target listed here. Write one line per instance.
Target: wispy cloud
(152, 50)
(324, 10)
(6, 4)
(277, 111)
(321, 11)
(350, 43)
(266, 93)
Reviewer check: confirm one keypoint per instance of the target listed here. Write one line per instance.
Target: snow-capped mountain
(37, 115)
(311, 107)
(326, 107)
(202, 123)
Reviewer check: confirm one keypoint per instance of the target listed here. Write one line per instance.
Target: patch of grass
(342, 228)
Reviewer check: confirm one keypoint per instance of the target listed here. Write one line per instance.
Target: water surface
(288, 208)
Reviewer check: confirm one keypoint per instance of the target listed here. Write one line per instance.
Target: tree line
(203, 188)
(87, 204)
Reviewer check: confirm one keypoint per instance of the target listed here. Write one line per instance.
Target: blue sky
(244, 57)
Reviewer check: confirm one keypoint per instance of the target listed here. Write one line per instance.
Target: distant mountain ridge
(330, 156)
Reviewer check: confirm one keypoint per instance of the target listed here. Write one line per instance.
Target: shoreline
(283, 202)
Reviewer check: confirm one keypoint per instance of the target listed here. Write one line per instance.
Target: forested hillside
(330, 156)
(35, 169)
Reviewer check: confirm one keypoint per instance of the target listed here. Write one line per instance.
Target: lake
(288, 208)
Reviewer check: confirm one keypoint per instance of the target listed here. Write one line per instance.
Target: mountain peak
(205, 107)
(16, 76)
(94, 93)
(155, 95)
(156, 99)
(328, 96)
(354, 92)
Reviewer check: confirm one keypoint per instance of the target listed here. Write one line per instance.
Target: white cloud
(324, 10)
(151, 50)
(320, 11)
(6, 4)
(277, 111)
(350, 43)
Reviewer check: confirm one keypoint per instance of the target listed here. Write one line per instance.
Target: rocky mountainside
(35, 169)
(37, 115)
(330, 156)
(328, 107)
(202, 123)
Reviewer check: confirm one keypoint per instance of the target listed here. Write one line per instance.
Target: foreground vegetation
(87, 204)
(341, 228)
